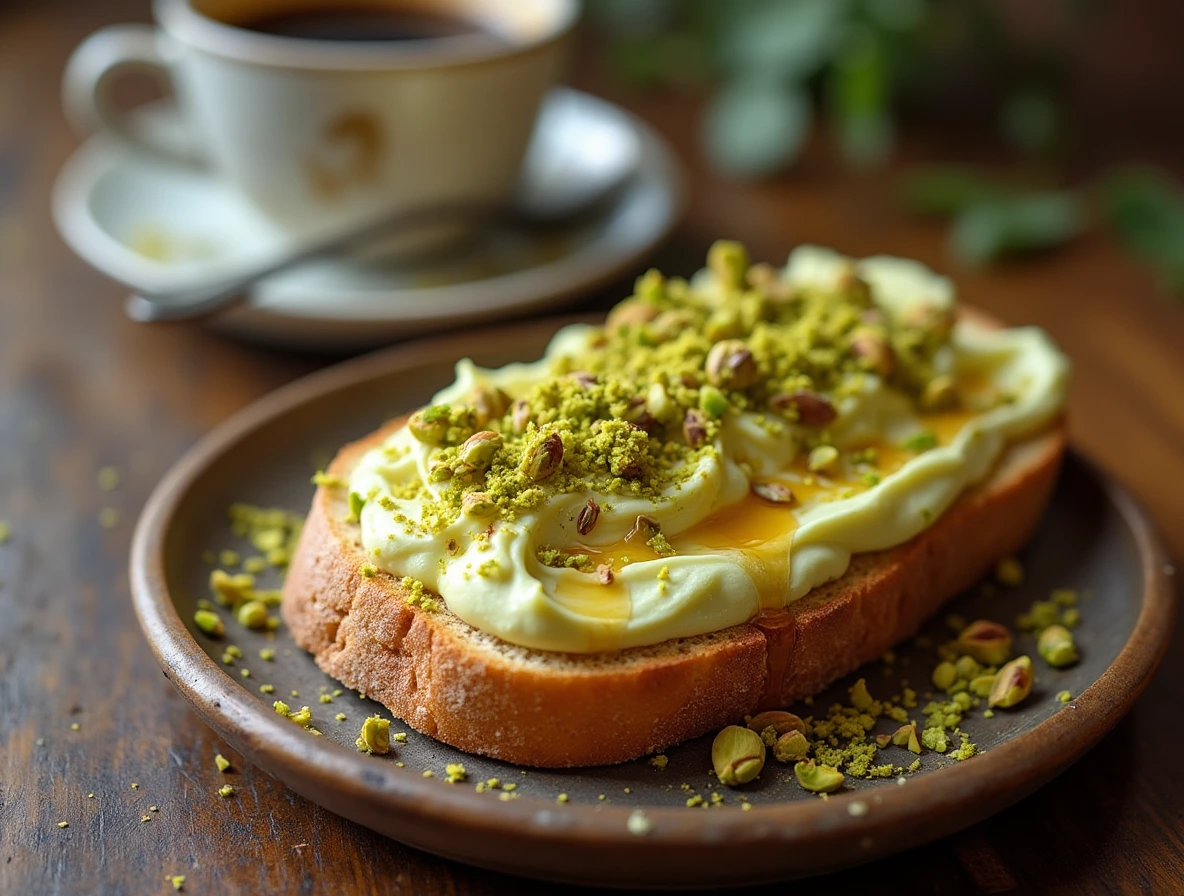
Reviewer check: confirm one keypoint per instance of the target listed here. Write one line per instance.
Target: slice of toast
(484, 695)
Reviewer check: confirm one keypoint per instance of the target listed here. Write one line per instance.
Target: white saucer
(148, 223)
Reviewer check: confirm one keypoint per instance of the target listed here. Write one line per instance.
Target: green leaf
(946, 189)
(1145, 208)
(1031, 121)
(897, 15)
(857, 91)
(756, 128)
(632, 16)
(866, 140)
(787, 39)
(1015, 225)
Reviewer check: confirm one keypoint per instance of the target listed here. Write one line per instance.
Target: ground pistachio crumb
(400, 737)
(267, 654)
(63, 824)
(108, 517)
(226, 790)
(428, 773)
(222, 762)
(562, 798)
(107, 479)
(1010, 572)
(5, 531)
(267, 688)
(659, 761)
(135, 786)
(177, 880)
(75, 726)
(255, 565)
(340, 717)
(455, 772)
(325, 698)
(1064, 696)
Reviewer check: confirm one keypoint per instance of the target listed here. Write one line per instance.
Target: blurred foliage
(773, 65)
(1145, 208)
(993, 219)
(769, 61)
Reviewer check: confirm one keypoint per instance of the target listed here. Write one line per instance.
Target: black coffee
(362, 23)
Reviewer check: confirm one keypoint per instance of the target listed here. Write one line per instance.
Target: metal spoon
(568, 170)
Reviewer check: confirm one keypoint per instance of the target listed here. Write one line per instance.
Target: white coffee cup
(324, 133)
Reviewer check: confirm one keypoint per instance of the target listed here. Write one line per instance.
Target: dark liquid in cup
(362, 23)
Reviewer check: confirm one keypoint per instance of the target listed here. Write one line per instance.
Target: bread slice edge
(482, 695)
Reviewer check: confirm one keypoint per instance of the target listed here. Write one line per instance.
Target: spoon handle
(207, 299)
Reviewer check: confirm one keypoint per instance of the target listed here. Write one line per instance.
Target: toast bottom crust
(477, 693)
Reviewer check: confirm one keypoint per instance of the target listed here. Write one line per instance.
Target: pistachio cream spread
(720, 446)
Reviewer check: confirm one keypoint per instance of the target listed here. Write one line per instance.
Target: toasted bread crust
(482, 695)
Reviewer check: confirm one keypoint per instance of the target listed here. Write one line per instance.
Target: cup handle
(88, 88)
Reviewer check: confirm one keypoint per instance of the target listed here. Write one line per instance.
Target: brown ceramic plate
(1094, 539)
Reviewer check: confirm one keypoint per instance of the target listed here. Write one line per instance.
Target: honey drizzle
(752, 526)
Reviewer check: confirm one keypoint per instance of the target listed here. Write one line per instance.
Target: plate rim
(372, 790)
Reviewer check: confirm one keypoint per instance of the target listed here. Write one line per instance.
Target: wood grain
(80, 387)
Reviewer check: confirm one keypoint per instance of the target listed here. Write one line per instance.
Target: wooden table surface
(81, 388)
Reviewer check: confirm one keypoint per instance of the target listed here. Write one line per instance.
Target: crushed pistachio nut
(1012, 683)
(817, 778)
(455, 772)
(779, 721)
(1055, 646)
(252, 614)
(107, 479)
(222, 762)
(226, 790)
(230, 591)
(737, 755)
(210, 623)
(985, 641)
(791, 747)
(906, 736)
(1064, 696)
(920, 442)
(375, 736)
